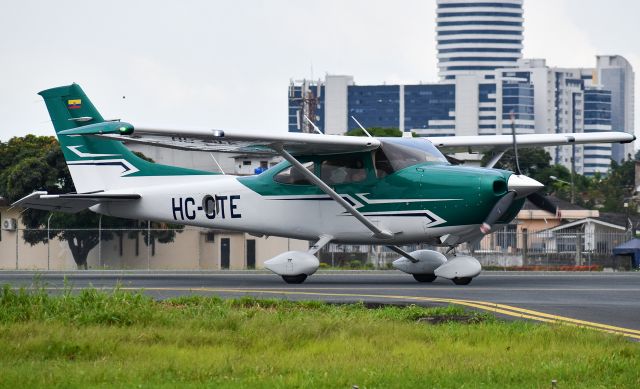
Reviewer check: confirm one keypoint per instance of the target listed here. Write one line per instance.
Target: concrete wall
(191, 249)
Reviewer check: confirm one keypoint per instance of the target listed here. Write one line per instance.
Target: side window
(292, 176)
(382, 164)
(342, 170)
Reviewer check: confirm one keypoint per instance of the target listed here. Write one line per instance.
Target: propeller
(519, 186)
(542, 202)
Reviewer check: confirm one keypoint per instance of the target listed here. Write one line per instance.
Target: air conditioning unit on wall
(9, 224)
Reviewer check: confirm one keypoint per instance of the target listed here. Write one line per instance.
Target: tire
(424, 277)
(462, 281)
(299, 279)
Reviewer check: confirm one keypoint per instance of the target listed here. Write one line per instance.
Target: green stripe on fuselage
(459, 195)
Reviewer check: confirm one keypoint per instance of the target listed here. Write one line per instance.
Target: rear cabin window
(293, 176)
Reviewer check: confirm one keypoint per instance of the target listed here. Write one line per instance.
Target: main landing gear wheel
(424, 277)
(462, 281)
(299, 279)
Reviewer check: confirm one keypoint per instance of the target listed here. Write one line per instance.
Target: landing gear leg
(298, 279)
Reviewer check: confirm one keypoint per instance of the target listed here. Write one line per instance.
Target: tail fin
(97, 164)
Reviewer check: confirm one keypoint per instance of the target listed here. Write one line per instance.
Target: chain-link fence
(524, 250)
(201, 249)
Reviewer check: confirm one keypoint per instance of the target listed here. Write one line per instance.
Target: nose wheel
(424, 277)
(462, 280)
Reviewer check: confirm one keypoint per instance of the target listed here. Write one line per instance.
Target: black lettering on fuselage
(209, 206)
(233, 206)
(177, 208)
(220, 201)
(190, 214)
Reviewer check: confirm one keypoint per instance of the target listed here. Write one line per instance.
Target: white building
(616, 74)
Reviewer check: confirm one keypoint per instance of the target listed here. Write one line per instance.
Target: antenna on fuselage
(361, 126)
(314, 125)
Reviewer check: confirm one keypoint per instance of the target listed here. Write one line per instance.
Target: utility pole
(573, 173)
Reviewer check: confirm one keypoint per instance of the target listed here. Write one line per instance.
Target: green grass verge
(119, 339)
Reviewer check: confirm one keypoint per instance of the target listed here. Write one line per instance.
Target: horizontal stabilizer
(70, 203)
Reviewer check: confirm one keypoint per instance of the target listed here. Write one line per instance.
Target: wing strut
(379, 233)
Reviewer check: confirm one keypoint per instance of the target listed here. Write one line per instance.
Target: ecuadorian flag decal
(74, 104)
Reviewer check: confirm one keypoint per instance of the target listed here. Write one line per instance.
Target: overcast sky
(227, 64)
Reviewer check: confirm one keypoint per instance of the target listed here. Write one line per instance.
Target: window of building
(292, 176)
(246, 163)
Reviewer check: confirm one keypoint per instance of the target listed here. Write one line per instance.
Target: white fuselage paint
(180, 201)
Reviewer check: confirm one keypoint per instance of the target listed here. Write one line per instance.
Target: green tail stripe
(69, 108)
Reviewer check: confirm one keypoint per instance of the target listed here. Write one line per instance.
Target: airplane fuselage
(421, 203)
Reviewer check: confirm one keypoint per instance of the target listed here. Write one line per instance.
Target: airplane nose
(523, 185)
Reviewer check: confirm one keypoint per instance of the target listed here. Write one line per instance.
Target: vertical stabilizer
(97, 164)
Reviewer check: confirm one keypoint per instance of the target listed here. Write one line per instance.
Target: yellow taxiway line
(503, 309)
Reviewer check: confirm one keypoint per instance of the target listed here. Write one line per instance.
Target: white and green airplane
(329, 188)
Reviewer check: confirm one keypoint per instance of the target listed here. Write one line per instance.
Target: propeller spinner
(519, 186)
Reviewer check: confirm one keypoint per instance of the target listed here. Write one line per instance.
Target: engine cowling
(428, 262)
(293, 263)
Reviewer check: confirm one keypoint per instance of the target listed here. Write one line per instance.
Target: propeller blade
(542, 202)
(498, 210)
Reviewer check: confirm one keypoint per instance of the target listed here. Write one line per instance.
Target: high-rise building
(597, 118)
(337, 100)
(616, 74)
(478, 36)
(485, 88)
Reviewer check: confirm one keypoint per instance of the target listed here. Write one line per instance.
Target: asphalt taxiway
(605, 301)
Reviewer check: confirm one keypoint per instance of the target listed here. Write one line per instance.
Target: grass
(98, 339)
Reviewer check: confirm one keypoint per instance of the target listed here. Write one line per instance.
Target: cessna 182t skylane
(329, 188)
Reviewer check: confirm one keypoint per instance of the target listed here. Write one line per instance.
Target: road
(605, 301)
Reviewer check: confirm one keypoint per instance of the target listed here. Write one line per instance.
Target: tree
(377, 132)
(37, 163)
(617, 186)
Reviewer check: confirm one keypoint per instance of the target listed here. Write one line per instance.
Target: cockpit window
(293, 176)
(402, 153)
(382, 164)
(343, 170)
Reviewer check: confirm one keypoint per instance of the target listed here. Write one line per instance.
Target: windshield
(405, 152)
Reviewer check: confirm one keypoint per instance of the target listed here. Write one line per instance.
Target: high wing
(483, 143)
(247, 142)
(316, 144)
(69, 203)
